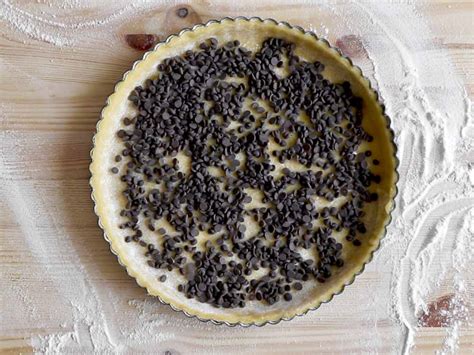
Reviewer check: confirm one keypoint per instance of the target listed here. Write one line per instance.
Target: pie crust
(106, 189)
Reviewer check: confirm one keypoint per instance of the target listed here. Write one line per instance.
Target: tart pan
(338, 284)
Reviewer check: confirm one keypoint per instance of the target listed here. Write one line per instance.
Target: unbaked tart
(244, 171)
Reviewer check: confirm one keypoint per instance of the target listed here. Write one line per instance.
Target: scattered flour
(43, 26)
(429, 244)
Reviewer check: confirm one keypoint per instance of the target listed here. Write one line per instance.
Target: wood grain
(50, 100)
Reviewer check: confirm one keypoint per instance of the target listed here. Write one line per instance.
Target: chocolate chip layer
(225, 138)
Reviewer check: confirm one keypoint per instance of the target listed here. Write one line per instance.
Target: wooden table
(51, 97)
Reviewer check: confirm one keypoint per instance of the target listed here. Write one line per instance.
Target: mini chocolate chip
(297, 286)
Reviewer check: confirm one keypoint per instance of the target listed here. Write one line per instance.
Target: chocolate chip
(297, 286)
